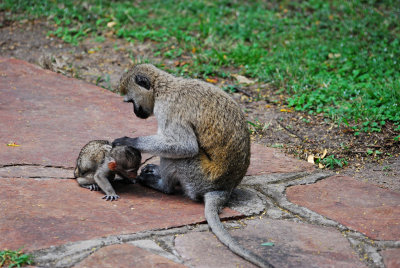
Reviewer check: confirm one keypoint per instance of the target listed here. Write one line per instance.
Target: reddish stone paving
(295, 245)
(52, 116)
(366, 208)
(126, 256)
(265, 160)
(41, 213)
(34, 172)
(391, 257)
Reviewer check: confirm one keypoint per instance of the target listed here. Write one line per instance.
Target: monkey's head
(126, 161)
(137, 85)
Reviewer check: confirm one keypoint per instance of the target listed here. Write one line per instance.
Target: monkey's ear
(142, 81)
(112, 165)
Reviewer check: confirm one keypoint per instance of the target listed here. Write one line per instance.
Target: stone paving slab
(295, 245)
(51, 116)
(265, 160)
(154, 248)
(126, 256)
(37, 214)
(32, 171)
(366, 208)
(391, 257)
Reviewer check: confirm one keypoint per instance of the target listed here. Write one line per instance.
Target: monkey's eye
(142, 81)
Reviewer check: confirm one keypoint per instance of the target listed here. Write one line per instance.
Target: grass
(339, 58)
(332, 162)
(12, 258)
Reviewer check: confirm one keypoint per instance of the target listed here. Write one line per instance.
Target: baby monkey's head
(126, 161)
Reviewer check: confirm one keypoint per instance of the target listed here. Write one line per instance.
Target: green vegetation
(340, 58)
(12, 258)
(332, 162)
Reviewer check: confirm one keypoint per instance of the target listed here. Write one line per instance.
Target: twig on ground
(244, 92)
(291, 132)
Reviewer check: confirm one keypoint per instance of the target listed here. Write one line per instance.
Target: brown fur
(94, 162)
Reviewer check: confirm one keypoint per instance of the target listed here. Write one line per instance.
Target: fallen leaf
(212, 80)
(180, 63)
(348, 130)
(13, 144)
(320, 165)
(310, 159)
(336, 55)
(243, 80)
(111, 24)
(91, 51)
(286, 110)
(324, 153)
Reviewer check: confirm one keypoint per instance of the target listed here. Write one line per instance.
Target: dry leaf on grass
(111, 24)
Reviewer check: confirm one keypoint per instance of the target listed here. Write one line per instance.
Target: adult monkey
(202, 141)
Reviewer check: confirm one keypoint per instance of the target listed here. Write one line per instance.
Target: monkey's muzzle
(140, 112)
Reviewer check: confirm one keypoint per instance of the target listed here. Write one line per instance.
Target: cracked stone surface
(31, 171)
(366, 208)
(42, 109)
(294, 245)
(41, 213)
(313, 219)
(126, 256)
(152, 246)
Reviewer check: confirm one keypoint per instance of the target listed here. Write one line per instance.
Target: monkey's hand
(124, 141)
(111, 197)
(91, 187)
(150, 174)
(94, 187)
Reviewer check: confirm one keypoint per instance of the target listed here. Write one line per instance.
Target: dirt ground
(371, 157)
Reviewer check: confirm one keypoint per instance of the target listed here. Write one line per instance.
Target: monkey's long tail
(213, 202)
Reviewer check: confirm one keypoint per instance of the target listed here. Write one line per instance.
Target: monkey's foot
(149, 175)
(91, 187)
(111, 197)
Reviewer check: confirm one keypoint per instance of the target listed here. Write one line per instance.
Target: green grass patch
(12, 258)
(332, 162)
(339, 58)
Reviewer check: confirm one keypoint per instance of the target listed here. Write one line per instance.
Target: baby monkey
(98, 163)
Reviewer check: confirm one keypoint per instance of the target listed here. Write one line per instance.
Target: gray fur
(202, 141)
(92, 169)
